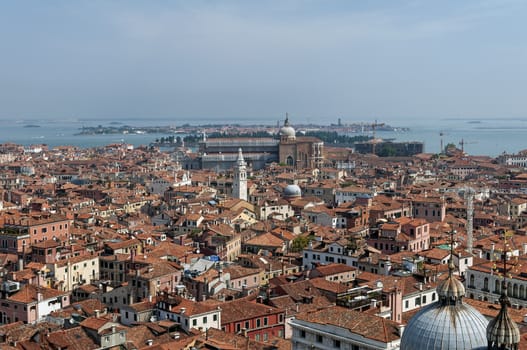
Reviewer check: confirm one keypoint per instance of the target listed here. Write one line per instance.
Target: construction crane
(373, 126)
(462, 143)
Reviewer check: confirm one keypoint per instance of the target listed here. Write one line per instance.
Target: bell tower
(239, 184)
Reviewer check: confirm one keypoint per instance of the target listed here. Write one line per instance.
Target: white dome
(447, 323)
(287, 130)
(292, 191)
(448, 326)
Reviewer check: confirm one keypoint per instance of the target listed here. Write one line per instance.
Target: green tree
(300, 243)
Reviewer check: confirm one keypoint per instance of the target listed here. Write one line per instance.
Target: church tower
(239, 185)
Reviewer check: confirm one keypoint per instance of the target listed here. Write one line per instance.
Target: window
(336, 344)
(417, 301)
(214, 317)
(265, 321)
(302, 334)
(258, 323)
(424, 299)
(247, 325)
(319, 338)
(205, 320)
(257, 337)
(265, 337)
(194, 322)
(433, 296)
(406, 304)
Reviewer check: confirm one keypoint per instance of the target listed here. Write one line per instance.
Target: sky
(228, 60)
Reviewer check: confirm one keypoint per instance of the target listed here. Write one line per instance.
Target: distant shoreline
(232, 129)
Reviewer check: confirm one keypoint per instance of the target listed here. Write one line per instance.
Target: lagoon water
(481, 137)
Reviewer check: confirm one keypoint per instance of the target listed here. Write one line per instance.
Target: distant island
(125, 129)
(31, 126)
(233, 129)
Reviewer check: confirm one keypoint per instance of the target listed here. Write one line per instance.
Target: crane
(462, 143)
(373, 126)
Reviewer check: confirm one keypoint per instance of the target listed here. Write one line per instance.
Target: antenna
(469, 198)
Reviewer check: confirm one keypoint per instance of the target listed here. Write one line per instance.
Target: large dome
(287, 130)
(447, 323)
(292, 191)
(443, 327)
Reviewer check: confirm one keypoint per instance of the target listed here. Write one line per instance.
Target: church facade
(222, 153)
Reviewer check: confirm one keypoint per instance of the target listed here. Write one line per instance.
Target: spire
(502, 331)
(240, 154)
(286, 123)
(451, 291)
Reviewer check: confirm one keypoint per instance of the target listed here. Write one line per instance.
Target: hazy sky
(258, 59)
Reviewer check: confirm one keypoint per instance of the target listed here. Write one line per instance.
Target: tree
(300, 243)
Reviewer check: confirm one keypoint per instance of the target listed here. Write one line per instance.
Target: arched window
(497, 287)
(471, 284)
(486, 284)
(290, 161)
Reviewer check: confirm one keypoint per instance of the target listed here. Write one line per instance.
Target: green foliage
(386, 150)
(300, 243)
(332, 137)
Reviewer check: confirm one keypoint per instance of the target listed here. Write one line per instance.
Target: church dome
(440, 326)
(450, 289)
(447, 323)
(292, 191)
(502, 330)
(287, 130)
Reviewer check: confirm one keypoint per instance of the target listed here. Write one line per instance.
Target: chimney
(492, 247)
(97, 313)
(149, 342)
(182, 310)
(400, 330)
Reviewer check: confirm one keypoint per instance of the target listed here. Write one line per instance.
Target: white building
(332, 253)
(341, 328)
(189, 314)
(74, 272)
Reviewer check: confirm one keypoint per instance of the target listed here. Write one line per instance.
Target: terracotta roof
(242, 309)
(368, 326)
(266, 240)
(28, 294)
